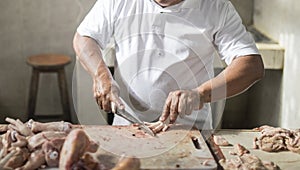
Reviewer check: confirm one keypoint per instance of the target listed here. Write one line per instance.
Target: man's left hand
(181, 102)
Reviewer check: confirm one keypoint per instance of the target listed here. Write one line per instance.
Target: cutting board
(284, 159)
(178, 148)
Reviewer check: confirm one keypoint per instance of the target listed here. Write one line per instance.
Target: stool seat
(48, 61)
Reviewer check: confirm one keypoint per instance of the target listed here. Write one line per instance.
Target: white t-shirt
(159, 50)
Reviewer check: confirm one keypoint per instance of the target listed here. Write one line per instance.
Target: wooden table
(178, 148)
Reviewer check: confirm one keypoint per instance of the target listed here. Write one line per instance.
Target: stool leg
(33, 93)
(63, 88)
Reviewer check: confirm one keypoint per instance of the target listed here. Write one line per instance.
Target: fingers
(106, 103)
(171, 107)
(174, 106)
(182, 106)
(116, 99)
(166, 110)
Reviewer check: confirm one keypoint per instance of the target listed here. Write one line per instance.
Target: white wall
(279, 19)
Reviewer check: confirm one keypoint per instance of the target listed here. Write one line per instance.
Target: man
(164, 58)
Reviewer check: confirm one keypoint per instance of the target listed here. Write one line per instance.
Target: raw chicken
(35, 160)
(128, 163)
(21, 141)
(75, 145)
(51, 126)
(239, 150)
(18, 159)
(220, 141)
(293, 143)
(37, 140)
(19, 126)
(88, 162)
(52, 150)
(272, 143)
(6, 143)
(247, 162)
(6, 158)
(3, 128)
(274, 139)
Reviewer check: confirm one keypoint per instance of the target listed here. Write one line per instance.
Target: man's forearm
(236, 78)
(89, 54)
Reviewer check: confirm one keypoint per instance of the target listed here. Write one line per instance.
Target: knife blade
(123, 113)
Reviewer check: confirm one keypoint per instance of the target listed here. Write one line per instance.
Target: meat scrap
(275, 139)
(220, 141)
(246, 161)
(239, 150)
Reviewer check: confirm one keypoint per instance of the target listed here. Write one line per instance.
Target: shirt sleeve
(232, 39)
(98, 23)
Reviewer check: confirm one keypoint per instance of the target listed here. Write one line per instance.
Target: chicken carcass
(76, 144)
(19, 126)
(6, 143)
(20, 141)
(18, 159)
(50, 126)
(52, 150)
(6, 158)
(35, 160)
(37, 140)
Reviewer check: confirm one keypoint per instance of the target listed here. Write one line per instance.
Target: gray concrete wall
(30, 27)
(279, 19)
(245, 10)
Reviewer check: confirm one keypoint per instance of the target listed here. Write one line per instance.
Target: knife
(123, 113)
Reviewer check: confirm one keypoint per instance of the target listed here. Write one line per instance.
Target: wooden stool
(52, 63)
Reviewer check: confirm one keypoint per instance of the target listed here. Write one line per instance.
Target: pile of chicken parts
(274, 139)
(271, 139)
(34, 145)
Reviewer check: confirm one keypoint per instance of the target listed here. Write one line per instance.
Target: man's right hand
(106, 92)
